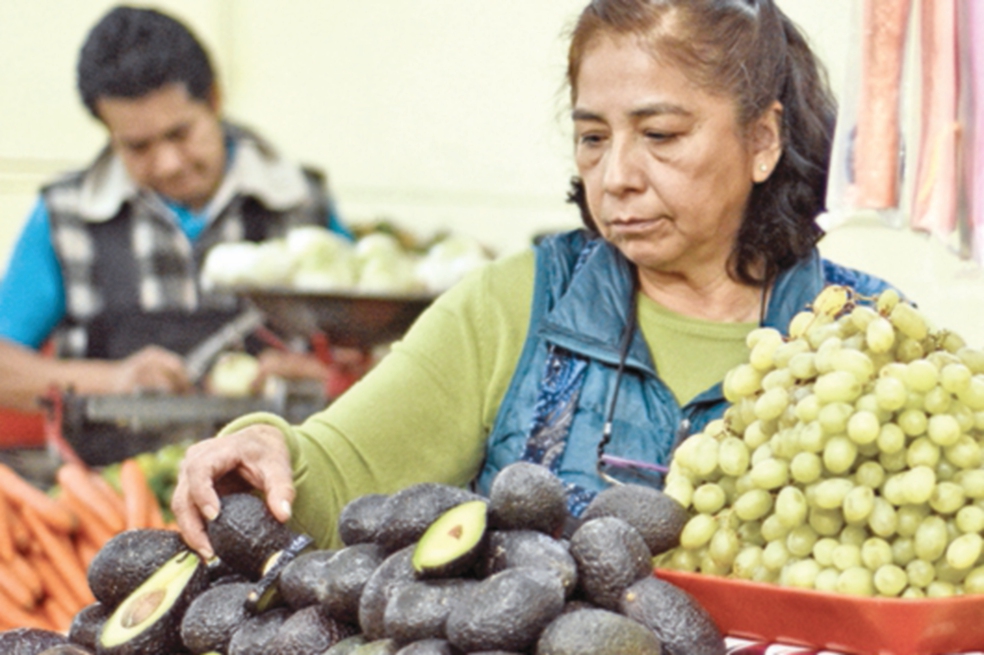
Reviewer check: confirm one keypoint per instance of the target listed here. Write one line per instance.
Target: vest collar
(592, 312)
(255, 170)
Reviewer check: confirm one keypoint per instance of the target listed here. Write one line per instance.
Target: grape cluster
(850, 459)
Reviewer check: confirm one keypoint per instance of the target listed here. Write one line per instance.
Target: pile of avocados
(429, 570)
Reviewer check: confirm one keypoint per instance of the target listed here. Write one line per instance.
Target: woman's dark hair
(751, 51)
(132, 52)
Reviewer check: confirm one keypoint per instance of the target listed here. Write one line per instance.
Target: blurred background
(432, 114)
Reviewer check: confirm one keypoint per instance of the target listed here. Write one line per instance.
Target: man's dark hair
(132, 52)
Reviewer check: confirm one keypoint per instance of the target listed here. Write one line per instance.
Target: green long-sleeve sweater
(424, 412)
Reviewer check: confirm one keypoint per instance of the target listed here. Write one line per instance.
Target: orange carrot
(6, 536)
(59, 618)
(135, 492)
(19, 532)
(62, 556)
(55, 588)
(86, 549)
(109, 492)
(22, 494)
(90, 523)
(16, 616)
(15, 589)
(77, 480)
(21, 568)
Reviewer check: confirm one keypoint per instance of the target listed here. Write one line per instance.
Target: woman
(703, 130)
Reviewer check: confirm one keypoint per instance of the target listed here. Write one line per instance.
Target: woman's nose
(623, 170)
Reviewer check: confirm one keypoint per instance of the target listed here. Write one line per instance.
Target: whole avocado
(681, 623)
(597, 632)
(610, 555)
(658, 517)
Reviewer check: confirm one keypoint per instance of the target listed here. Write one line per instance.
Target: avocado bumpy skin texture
(527, 496)
(255, 634)
(597, 632)
(360, 519)
(658, 517)
(303, 580)
(245, 534)
(419, 610)
(129, 558)
(683, 626)
(309, 630)
(86, 624)
(610, 555)
(407, 514)
(397, 569)
(429, 647)
(346, 646)
(29, 641)
(511, 548)
(345, 577)
(212, 617)
(506, 611)
(66, 649)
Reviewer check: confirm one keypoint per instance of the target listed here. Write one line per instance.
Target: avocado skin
(346, 646)
(29, 641)
(66, 649)
(86, 624)
(302, 581)
(512, 548)
(419, 610)
(245, 534)
(163, 636)
(658, 518)
(597, 632)
(255, 634)
(129, 558)
(377, 647)
(610, 555)
(345, 577)
(307, 631)
(407, 514)
(396, 569)
(506, 611)
(681, 623)
(212, 617)
(360, 519)
(527, 496)
(429, 647)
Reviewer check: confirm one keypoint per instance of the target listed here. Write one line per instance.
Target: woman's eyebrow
(655, 109)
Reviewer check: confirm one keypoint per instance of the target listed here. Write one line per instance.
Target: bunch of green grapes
(850, 459)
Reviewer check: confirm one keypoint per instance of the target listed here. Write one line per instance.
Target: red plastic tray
(849, 624)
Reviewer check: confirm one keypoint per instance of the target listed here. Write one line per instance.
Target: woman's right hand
(255, 457)
(150, 369)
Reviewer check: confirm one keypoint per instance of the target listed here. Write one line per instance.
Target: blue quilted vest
(554, 410)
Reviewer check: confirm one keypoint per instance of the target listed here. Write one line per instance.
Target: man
(106, 268)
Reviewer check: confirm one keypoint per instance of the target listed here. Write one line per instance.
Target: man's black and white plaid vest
(131, 275)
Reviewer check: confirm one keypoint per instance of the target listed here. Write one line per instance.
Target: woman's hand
(150, 369)
(255, 457)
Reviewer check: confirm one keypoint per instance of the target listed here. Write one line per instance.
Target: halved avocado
(246, 534)
(129, 558)
(407, 514)
(148, 620)
(453, 542)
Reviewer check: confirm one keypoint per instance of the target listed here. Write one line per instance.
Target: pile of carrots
(48, 540)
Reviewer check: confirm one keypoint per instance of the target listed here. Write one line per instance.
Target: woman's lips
(628, 226)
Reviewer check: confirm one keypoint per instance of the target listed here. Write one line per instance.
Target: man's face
(169, 142)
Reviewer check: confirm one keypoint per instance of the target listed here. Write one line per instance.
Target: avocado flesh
(150, 602)
(450, 545)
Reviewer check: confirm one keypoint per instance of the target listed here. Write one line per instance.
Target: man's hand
(255, 456)
(151, 369)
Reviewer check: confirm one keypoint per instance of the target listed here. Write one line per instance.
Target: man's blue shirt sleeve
(32, 291)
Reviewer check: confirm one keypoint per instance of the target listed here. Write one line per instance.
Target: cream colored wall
(431, 113)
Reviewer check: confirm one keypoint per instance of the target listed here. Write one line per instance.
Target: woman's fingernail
(285, 507)
(210, 512)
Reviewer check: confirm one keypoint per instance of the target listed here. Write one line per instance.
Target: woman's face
(665, 165)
